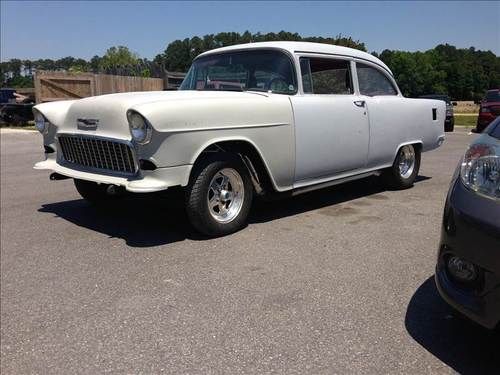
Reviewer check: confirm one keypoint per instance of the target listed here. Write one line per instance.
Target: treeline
(179, 54)
(463, 74)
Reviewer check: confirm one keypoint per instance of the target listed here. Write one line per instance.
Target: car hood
(110, 111)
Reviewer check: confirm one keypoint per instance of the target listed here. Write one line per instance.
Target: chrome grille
(97, 153)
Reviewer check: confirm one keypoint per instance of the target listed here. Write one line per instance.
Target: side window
(326, 76)
(373, 82)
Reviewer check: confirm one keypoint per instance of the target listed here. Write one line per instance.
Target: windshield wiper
(224, 89)
(258, 90)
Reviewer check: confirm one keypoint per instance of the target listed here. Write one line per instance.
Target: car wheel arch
(251, 155)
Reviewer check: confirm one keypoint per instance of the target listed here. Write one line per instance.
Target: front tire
(219, 195)
(405, 168)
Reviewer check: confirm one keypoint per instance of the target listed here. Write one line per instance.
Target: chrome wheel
(406, 160)
(225, 195)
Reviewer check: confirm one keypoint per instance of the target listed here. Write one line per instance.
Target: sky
(31, 30)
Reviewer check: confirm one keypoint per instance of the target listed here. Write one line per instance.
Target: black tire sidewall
(395, 179)
(196, 193)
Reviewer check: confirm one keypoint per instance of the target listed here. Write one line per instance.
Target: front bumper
(144, 182)
(471, 230)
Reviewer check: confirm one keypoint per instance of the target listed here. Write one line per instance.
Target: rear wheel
(97, 193)
(219, 195)
(405, 168)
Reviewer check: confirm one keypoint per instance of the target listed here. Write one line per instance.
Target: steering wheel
(274, 80)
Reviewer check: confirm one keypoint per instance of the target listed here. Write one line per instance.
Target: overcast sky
(83, 29)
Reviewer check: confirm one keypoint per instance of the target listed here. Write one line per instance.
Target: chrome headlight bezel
(41, 122)
(480, 170)
(140, 129)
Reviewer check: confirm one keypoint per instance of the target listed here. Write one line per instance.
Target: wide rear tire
(405, 168)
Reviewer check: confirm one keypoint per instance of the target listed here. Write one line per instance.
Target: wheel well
(418, 146)
(249, 156)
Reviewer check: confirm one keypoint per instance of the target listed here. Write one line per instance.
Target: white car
(252, 119)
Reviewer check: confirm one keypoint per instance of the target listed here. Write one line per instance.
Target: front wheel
(405, 168)
(219, 195)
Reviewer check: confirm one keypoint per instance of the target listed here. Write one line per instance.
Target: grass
(30, 125)
(468, 121)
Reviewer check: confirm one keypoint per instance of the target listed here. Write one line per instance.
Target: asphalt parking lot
(334, 281)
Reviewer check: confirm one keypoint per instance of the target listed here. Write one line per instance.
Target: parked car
(14, 108)
(449, 122)
(468, 265)
(489, 109)
(302, 116)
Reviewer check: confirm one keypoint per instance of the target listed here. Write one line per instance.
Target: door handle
(359, 103)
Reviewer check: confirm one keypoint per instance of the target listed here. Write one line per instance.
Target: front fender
(184, 128)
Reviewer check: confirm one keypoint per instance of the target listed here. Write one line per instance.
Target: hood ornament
(87, 123)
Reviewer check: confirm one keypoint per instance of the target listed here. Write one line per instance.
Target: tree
(179, 54)
(463, 74)
(118, 59)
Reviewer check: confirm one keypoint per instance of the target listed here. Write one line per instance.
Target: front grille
(97, 153)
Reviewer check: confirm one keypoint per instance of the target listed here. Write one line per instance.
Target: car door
(331, 122)
(387, 113)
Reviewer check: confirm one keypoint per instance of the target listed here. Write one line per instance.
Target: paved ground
(336, 281)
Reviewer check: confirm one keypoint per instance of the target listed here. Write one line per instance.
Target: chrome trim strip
(186, 130)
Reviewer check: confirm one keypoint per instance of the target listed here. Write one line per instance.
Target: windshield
(493, 96)
(251, 70)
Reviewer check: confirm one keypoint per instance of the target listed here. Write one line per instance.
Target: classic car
(265, 118)
(468, 263)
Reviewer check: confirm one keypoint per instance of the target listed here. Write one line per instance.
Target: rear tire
(219, 195)
(97, 193)
(405, 168)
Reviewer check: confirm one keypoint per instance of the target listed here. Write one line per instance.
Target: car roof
(309, 47)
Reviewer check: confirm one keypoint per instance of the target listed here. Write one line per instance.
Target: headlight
(485, 110)
(139, 128)
(41, 122)
(480, 170)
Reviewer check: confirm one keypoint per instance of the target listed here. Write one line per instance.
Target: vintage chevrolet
(256, 119)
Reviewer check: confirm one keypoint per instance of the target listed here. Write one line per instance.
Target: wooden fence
(50, 86)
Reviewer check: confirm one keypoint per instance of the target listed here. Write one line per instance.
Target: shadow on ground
(462, 345)
(145, 220)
